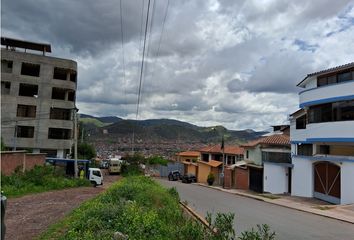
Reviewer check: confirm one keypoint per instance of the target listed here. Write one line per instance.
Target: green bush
(38, 179)
(136, 206)
(155, 160)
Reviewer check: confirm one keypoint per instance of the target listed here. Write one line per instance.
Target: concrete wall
(302, 177)
(347, 183)
(20, 159)
(254, 154)
(191, 169)
(203, 171)
(275, 178)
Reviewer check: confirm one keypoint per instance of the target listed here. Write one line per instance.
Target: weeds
(38, 179)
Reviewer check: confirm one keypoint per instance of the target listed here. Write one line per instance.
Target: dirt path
(28, 216)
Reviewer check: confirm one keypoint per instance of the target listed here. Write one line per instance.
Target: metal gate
(256, 179)
(327, 182)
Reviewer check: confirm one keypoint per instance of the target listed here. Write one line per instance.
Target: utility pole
(75, 143)
(223, 161)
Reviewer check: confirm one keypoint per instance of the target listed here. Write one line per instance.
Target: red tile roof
(276, 139)
(212, 163)
(228, 149)
(189, 154)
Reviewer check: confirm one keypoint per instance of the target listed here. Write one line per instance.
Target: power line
(142, 61)
(122, 45)
(163, 28)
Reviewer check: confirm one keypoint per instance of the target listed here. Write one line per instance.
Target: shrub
(38, 179)
(263, 232)
(155, 160)
(211, 178)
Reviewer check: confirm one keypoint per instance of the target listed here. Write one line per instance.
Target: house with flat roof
(322, 136)
(38, 95)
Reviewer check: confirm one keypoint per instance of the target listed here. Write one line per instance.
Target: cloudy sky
(218, 62)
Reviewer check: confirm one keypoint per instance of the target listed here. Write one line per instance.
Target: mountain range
(161, 130)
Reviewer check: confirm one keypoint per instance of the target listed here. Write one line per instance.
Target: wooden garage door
(327, 181)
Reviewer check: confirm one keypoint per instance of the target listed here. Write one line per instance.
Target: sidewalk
(340, 212)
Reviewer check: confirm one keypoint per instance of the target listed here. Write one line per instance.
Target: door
(327, 182)
(256, 179)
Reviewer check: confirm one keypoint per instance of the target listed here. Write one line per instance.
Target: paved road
(287, 223)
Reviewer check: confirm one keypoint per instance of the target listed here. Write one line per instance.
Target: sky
(211, 62)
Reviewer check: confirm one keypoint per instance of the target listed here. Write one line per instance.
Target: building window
(343, 111)
(73, 76)
(247, 156)
(304, 149)
(6, 66)
(60, 73)
(58, 93)
(28, 90)
(60, 113)
(335, 78)
(276, 157)
(30, 69)
(205, 157)
(71, 96)
(59, 133)
(323, 149)
(5, 88)
(25, 132)
(26, 111)
(301, 122)
(338, 111)
(49, 152)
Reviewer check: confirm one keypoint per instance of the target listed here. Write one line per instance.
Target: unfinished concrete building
(37, 98)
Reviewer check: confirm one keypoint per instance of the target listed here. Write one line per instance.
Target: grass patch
(39, 179)
(323, 207)
(135, 206)
(270, 196)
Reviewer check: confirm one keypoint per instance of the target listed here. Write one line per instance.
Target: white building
(322, 136)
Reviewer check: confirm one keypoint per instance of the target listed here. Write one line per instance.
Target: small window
(322, 81)
(5, 88)
(343, 77)
(25, 132)
(73, 76)
(28, 90)
(324, 149)
(30, 69)
(60, 73)
(58, 93)
(6, 66)
(71, 96)
(301, 122)
(60, 114)
(304, 149)
(59, 133)
(96, 173)
(26, 111)
(247, 154)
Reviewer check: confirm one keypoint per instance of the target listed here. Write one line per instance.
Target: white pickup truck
(95, 176)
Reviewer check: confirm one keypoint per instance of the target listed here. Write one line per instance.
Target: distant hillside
(158, 130)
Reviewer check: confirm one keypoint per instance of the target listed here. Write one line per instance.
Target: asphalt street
(287, 223)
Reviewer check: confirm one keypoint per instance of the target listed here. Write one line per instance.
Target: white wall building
(322, 136)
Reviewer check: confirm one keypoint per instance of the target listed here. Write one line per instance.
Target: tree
(85, 151)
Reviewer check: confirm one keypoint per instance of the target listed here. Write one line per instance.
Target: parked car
(95, 176)
(174, 175)
(189, 178)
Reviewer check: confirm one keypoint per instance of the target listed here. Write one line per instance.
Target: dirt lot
(28, 216)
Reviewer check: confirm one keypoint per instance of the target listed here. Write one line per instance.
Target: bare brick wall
(228, 178)
(241, 178)
(11, 160)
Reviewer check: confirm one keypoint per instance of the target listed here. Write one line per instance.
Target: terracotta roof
(329, 70)
(211, 163)
(276, 139)
(189, 163)
(189, 154)
(228, 149)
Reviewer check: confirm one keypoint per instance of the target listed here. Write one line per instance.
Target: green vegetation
(85, 151)
(136, 206)
(155, 160)
(3, 147)
(210, 178)
(94, 121)
(38, 179)
(140, 208)
(323, 207)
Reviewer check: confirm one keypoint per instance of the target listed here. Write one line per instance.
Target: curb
(274, 203)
